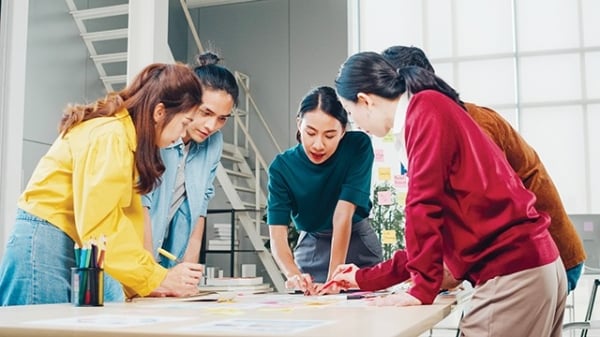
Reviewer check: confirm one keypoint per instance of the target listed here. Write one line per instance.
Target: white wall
(45, 65)
(285, 46)
(536, 62)
(12, 101)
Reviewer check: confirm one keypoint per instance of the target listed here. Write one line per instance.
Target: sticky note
(588, 226)
(401, 198)
(384, 198)
(379, 155)
(400, 181)
(389, 138)
(388, 236)
(384, 173)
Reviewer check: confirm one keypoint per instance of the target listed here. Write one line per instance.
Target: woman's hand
(449, 282)
(343, 278)
(302, 282)
(399, 300)
(182, 280)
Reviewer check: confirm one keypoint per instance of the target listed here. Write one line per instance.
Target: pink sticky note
(588, 226)
(379, 157)
(384, 198)
(400, 181)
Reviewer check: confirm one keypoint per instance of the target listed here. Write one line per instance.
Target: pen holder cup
(87, 287)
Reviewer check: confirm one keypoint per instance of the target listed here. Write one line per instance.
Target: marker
(168, 255)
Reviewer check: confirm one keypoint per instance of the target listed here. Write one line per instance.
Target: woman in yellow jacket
(88, 185)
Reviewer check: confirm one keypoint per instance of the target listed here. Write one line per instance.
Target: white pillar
(13, 51)
(148, 35)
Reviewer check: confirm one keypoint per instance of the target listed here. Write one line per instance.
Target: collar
(178, 143)
(400, 115)
(130, 130)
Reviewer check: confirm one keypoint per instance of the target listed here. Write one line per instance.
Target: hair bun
(208, 58)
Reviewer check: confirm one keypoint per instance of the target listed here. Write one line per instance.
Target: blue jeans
(35, 268)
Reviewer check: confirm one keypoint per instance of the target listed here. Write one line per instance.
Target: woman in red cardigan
(465, 207)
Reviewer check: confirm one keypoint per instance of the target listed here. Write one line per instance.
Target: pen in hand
(168, 255)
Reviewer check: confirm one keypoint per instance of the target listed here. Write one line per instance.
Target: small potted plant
(387, 218)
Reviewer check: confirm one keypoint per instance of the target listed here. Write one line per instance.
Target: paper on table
(200, 296)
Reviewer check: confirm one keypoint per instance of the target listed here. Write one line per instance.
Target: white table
(253, 315)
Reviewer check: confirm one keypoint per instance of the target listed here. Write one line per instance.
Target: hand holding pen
(181, 280)
(343, 278)
(302, 282)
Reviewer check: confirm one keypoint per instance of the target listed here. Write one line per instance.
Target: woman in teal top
(323, 185)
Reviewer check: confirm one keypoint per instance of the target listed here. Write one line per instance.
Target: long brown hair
(174, 85)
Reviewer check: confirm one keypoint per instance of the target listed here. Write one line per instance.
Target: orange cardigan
(528, 166)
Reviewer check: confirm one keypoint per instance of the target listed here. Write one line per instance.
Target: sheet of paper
(260, 327)
(107, 321)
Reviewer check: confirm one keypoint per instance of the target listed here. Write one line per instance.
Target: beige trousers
(529, 303)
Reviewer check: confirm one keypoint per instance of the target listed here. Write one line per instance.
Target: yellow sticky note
(388, 236)
(401, 197)
(389, 138)
(385, 173)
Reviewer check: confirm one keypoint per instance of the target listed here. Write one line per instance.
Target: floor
(579, 299)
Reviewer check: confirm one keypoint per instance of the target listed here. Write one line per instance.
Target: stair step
(114, 79)
(239, 174)
(244, 189)
(100, 12)
(241, 113)
(232, 157)
(249, 205)
(110, 58)
(235, 150)
(106, 35)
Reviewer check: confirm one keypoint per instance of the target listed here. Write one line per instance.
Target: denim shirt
(200, 171)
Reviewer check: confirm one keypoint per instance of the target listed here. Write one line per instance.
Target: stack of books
(222, 238)
(245, 285)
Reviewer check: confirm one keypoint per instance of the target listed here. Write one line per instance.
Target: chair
(586, 324)
(590, 309)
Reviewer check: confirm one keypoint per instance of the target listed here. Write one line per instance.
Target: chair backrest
(588, 227)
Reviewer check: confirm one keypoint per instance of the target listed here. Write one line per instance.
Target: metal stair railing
(252, 226)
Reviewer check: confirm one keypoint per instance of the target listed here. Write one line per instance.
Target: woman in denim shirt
(176, 209)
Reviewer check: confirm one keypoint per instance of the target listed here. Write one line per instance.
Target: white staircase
(107, 46)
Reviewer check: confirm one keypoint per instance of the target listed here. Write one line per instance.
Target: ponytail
(371, 73)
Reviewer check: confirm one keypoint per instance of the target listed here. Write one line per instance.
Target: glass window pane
(510, 115)
(384, 23)
(592, 72)
(559, 142)
(547, 24)
(438, 30)
(550, 78)
(446, 72)
(483, 27)
(487, 82)
(591, 24)
(593, 123)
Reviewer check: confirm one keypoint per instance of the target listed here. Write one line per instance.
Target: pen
(168, 255)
